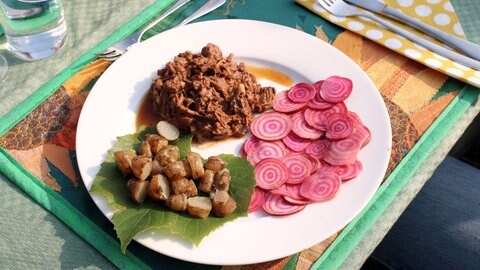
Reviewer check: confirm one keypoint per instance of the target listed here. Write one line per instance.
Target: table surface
(31, 236)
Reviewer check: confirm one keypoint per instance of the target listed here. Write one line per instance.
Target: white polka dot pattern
(413, 53)
(355, 26)
(433, 62)
(393, 43)
(455, 72)
(442, 19)
(448, 7)
(405, 3)
(374, 34)
(423, 10)
(437, 13)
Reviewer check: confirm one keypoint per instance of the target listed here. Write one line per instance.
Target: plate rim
(245, 22)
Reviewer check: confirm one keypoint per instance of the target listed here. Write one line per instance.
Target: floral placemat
(39, 151)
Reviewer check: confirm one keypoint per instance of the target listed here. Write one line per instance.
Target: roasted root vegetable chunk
(168, 131)
(191, 189)
(123, 159)
(159, 188)
(141, 166)
(156, 167)
(168, 154)
(199, 207)
(145, 149)
(179, 185)
(156, 142)
(196, 164)
(177, 202)
(206, 182)
(137, 189)
(222, 180)
(215, 164)
(223, 204)
(175, 170)
(188, 170)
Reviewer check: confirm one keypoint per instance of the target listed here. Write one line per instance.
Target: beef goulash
(209, 95)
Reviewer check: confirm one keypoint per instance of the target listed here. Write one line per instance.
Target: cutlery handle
(467, 61)
(468, 48)
(206, 8)
(138, 35)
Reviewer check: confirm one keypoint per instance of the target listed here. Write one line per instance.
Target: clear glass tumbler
(35, 29)
(3, 68)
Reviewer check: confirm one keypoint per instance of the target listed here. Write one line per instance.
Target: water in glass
(35, 29)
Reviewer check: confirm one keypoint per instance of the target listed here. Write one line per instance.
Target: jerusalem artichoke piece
(145, 149)
(222, 204)
(206, 182)
(168, 154)
(215, 164)
(177, 202)
(222, 180)
(196, 164)
(137, 189)
(179, 185)
(167, 130)
(199, 207)
(123, 159)
(156, 142)
(141, 167)
(159, 188)
(188, 170)
(175, 170)
(191, 189)
(156, 168)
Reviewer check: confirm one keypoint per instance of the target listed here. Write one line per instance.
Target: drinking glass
(3, 68)
(34, 29)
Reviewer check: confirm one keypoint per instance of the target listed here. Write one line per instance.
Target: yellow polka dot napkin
(437, 13)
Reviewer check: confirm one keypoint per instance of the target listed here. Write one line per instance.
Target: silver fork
(113, 52)
(341, 9)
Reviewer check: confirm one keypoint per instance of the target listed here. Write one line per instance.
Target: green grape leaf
(130, 219)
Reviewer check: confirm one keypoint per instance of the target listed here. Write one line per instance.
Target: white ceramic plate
(111, 107)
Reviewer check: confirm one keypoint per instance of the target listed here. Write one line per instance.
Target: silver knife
(466, 47)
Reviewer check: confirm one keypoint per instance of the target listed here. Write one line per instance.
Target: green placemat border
(68, 214)
(334, 256)
(24, 108)
(345, 243)
(44, 195)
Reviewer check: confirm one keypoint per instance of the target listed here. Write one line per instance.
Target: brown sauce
(145, 114)
(147, 117)
(271, 75)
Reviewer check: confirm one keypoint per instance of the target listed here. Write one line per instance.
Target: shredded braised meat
(209, 95)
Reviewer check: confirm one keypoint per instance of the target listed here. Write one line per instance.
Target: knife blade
(466, 47)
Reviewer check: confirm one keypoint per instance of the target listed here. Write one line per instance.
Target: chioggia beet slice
(258, 198)
(301, 93)
(336, 89)
(271, 173)
(320, 186)
(276, 205)
(282, 103)
(271, 126)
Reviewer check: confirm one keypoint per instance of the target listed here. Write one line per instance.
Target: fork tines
(110, 54)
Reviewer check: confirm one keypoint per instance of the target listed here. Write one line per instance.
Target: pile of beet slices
(306, 147)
